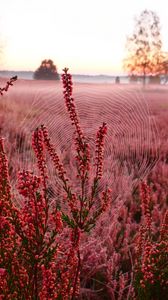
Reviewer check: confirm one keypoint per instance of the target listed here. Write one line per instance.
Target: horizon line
(76, 74)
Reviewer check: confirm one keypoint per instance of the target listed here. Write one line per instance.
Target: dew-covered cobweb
(131, 144)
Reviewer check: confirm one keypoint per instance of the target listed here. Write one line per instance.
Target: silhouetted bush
(47, 71)
(117, 79)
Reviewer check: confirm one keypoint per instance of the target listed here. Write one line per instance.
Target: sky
(87, 36)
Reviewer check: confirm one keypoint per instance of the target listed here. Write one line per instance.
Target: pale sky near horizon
(88, 36)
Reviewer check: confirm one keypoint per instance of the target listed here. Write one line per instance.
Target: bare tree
(144, 46)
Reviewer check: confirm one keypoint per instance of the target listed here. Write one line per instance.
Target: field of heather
(135, 149)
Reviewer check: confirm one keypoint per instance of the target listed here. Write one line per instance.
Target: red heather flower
(2, 272)
(164, 227)
(9, 241)
(49, 289)
(146, 202)
(5, 187)
(82, 147)
(151, 255)
(71, 198)
(69, 101)
(37, 266)
(147, 268)
(55, 218)
(83, 151)
(99, 149)
(38, 229)
(9, 83)
(28, 183)
(54, 156)
(38, 146)
(33, 241)
(106, 198)
(79, 204)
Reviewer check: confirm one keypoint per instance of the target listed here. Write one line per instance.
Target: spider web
(131, 144)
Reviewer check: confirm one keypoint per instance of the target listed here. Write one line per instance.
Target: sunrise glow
(88, 36)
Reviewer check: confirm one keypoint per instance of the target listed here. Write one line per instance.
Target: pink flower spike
(2, 271)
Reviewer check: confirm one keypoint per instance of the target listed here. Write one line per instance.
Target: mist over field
(76, 77)
(136, 118)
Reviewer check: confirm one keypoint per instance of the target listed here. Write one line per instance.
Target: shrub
(151, 267)
(34, 262)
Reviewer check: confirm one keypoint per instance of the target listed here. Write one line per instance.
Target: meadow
(135, 151)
